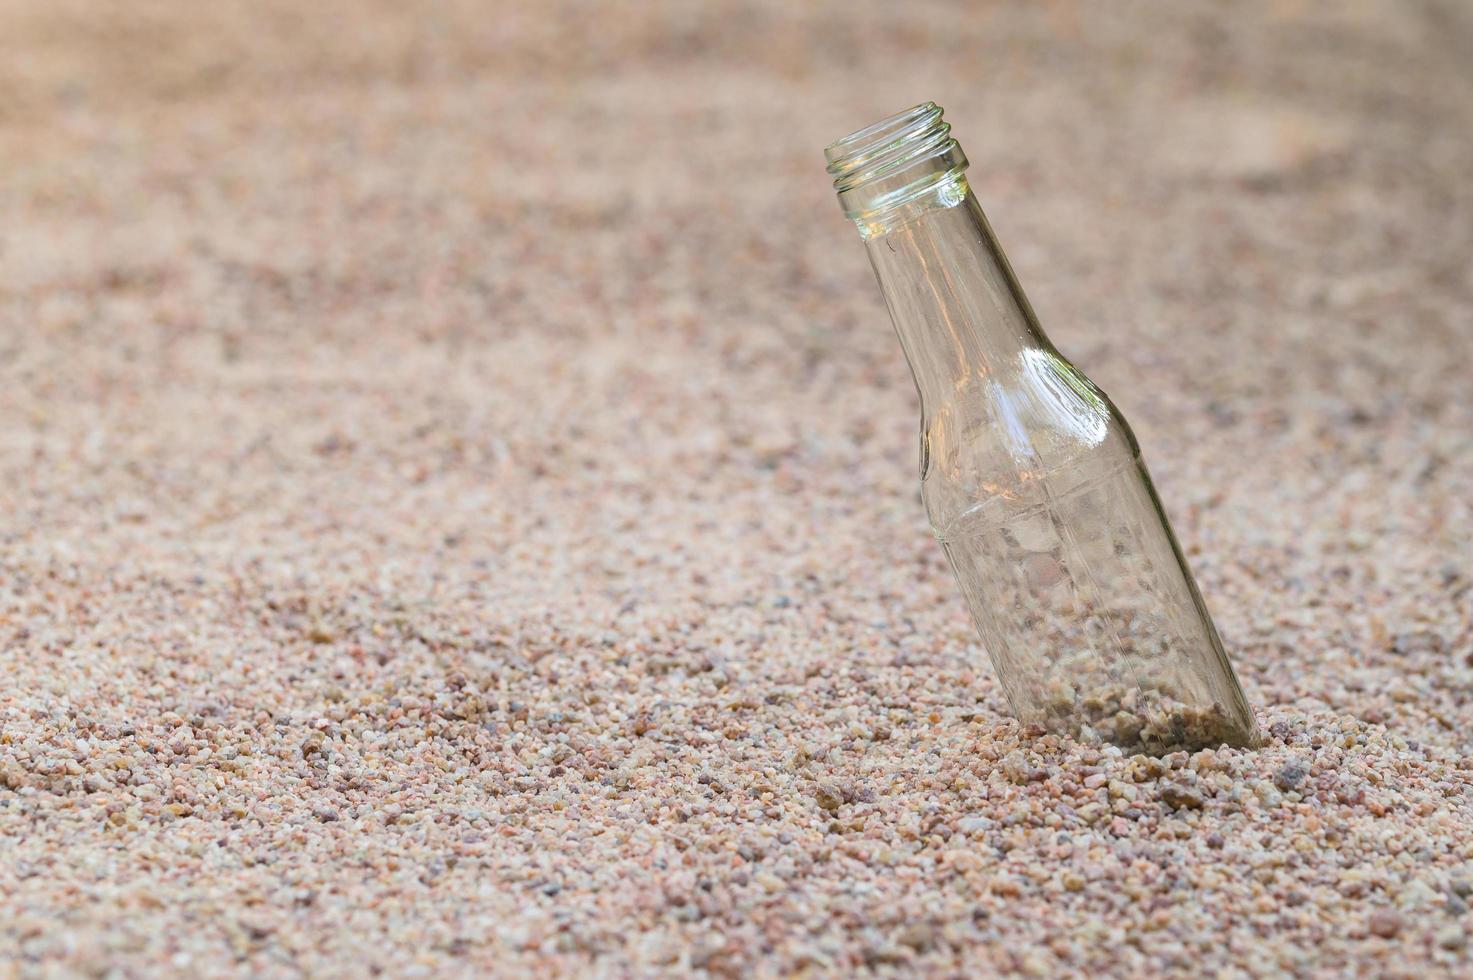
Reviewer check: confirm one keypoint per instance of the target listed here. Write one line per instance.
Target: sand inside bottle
(1088, 616)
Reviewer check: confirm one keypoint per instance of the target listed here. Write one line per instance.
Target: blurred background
(565, 283)
(355, 346)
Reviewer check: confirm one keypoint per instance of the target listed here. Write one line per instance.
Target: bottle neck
(1000, 407)
(956, 304)
(957, 307)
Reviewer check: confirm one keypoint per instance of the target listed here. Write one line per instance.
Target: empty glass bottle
(1031, 478)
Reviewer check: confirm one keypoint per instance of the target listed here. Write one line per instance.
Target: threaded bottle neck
(897, 167)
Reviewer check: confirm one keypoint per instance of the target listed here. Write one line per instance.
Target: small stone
(962, 860)
(12, 776)
(918, 936)
(1147, 768)
(1006, 886)
(1015, 767)
(769, 882)
(1418, 642)
(1385, 923)
(1207, 761)
(1291, 775)
(828, 797)
(1452, 937)
(1180, 797)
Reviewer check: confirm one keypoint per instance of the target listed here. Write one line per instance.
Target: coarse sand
(458, 504)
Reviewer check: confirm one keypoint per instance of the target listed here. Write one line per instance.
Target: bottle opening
(894, 162)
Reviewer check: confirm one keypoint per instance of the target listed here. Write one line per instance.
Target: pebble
(973, 825)
(1385, 923)
(1291, 775)
(1180, 797)
(829, 797)
(1006, 886)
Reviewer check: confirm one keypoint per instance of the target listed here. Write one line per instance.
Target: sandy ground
(458, 504)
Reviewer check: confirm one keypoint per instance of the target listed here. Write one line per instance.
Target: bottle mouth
(894, 161)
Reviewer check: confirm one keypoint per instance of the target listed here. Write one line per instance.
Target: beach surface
(459, 506)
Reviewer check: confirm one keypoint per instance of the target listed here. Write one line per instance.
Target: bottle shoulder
(1037, 422)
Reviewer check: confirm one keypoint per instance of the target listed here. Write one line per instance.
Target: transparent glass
(1032, 480)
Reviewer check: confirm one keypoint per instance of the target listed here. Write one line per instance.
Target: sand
(458, 504)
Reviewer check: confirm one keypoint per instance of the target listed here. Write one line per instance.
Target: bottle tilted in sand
(1031, 478)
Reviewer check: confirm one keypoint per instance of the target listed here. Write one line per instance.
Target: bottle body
(1034, 485)
(1088, 612)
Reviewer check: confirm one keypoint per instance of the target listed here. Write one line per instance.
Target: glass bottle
(1031, 478)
